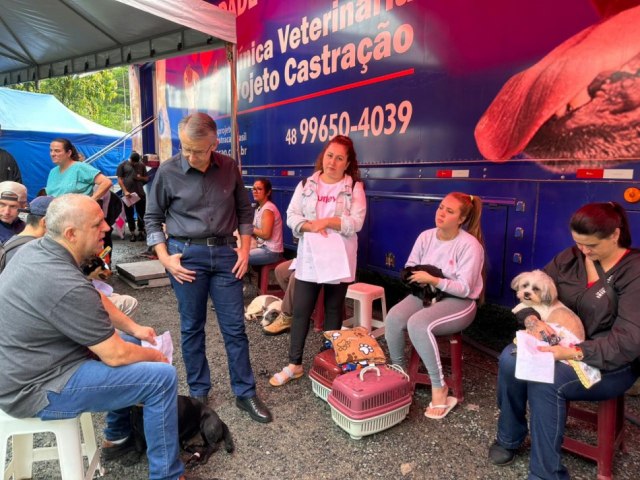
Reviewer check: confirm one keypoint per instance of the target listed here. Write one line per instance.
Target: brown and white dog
(537, 290)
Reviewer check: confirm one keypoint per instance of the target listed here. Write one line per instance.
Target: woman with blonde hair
(455, 246)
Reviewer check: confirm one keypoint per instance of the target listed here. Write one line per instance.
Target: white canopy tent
(49, 38)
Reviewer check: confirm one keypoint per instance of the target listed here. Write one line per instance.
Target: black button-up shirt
(194, 204)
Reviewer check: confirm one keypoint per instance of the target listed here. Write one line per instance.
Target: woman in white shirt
(331, 201)
(267, 226)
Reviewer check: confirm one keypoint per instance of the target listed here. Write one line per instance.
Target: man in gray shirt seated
(60, 352)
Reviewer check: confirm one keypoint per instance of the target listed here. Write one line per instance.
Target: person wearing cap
(132, 175)
(13, 195)
(34, 228)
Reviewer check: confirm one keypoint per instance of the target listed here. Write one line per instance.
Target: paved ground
(304, 443)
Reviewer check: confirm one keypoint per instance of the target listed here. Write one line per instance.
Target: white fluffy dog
(537, 290)
(264, 307)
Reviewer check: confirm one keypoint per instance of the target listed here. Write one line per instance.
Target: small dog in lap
(428, 293)
(537, 290)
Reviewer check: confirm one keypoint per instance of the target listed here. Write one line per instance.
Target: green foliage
(102, 97)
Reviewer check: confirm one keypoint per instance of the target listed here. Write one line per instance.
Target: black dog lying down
(194, 417)
(428, 293)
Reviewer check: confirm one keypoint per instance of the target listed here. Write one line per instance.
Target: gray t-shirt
(50, 315)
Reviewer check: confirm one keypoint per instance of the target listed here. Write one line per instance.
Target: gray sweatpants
(448, 316)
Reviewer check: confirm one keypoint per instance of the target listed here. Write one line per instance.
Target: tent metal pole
(232, 55)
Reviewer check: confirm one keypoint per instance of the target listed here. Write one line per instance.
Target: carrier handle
(366, 369)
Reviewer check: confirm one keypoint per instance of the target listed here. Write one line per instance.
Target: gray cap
(13, 191)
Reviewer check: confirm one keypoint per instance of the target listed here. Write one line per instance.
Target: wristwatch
(579, 355)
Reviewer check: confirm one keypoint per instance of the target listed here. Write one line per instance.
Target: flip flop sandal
(284, 377)
(451, 402)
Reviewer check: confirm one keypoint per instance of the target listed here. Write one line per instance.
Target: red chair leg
(609, 421)
(263, 285)
(454, 381)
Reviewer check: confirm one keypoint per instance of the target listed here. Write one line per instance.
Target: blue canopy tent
(29, 122)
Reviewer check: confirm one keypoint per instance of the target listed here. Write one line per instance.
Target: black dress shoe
(201, 398)
(114, 452)
(255, 408)
(498, 455)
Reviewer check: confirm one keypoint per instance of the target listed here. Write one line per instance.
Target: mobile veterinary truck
(534, 106)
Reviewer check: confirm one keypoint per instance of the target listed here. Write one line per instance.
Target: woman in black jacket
(612, 325)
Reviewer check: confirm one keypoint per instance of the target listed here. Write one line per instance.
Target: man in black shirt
(199, 196)
(132, 175)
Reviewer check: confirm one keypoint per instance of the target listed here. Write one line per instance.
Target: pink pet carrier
(323, 373)
(370, 400)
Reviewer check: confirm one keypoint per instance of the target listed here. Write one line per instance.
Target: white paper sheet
(531, 364)
(131, 199)
(328, 255)
(164, 344)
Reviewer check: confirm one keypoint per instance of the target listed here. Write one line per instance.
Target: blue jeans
(96, 387)
(547, 407)
(213, 278)
(263, 256)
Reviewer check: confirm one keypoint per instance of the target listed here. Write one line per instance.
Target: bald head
(77, 222)
(66, 211)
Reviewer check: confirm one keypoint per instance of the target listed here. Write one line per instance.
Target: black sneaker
(114, 452)
(132, 237)
(498, 455)
(142, 236)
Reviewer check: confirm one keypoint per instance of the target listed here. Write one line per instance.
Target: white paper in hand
(164, 344)
(329, 256)
(532, 364)
(131, 199)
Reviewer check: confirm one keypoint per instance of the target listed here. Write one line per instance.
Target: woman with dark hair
(330, 200)
(267, 226)
(455, 246)
(602, 253)
(71, 175)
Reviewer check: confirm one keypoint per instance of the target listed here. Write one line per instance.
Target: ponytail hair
(471, 210)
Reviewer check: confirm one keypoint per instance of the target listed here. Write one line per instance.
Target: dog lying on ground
(263, 307)
(537, 290)
(428, 293)
(194, 417)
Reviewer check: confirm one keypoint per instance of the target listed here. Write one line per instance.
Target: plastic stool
(454, 381)
(69, 450)
(609, 420)
(363, 295)
(263, 279)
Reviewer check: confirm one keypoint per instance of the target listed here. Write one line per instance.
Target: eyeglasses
(195, 153)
